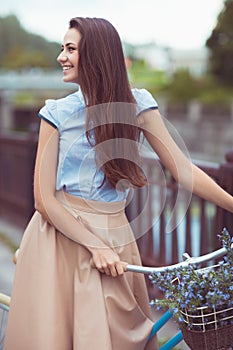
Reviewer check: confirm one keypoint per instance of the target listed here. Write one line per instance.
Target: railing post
(6, 111)
(194, 111)
(226, 182)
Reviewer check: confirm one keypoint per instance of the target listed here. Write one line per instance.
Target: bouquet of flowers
(202, 300)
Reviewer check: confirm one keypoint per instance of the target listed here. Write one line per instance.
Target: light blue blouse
(77, 172)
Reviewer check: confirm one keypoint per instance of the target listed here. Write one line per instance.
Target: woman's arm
(182, 169)
(104, 258)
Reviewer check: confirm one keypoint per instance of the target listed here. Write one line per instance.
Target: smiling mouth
(65, 68)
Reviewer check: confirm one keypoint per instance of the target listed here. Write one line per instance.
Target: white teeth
(66, 67)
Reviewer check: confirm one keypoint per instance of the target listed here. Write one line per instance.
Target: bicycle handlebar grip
(5, 299)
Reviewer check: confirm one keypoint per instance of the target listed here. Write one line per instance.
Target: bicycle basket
(208, 329)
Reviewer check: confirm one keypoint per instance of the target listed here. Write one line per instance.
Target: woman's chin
(69, 80)
(66, 79)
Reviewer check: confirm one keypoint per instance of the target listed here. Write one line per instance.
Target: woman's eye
(71, 49)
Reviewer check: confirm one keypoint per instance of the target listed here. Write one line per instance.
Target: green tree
(19, 58)
(220, 44)
(183, 87)
(21, 49)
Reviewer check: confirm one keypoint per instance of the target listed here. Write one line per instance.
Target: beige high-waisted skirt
(59, 302)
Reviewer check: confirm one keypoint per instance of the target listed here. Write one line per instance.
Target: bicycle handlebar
(188, 261)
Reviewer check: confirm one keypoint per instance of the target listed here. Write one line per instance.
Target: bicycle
(4, 308)
(174, 340)
(197, 261)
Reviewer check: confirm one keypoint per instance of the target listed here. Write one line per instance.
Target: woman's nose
(62, 57)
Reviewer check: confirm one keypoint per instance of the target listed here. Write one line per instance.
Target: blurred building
(195, 60)
(169, 59)
(158, 57)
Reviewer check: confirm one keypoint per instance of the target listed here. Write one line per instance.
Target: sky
(180, 24)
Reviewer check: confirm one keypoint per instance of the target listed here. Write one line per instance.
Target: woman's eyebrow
(71, 43)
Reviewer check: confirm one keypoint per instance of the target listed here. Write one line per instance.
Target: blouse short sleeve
(49, 113)
(145, 101)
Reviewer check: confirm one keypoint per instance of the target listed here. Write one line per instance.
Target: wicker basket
(220, 339)
(208, 329)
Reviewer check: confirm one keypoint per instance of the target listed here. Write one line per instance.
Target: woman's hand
(107, 261)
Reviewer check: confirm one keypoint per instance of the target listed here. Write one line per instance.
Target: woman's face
(69, 56)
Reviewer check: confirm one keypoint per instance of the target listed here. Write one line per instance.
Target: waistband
(89, 205)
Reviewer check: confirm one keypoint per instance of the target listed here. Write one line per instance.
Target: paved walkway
(7, 269)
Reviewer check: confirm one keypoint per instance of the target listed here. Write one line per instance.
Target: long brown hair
(103, 79)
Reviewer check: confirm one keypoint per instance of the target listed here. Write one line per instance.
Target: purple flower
(195, 288)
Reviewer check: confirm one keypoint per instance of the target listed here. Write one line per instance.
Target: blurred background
(182, 52)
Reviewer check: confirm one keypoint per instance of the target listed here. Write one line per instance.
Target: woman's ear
(128, 62)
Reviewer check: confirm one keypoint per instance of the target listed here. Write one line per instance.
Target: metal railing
(195, 222)
(194, 226)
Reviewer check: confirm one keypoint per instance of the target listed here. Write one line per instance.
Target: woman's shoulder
(59, 110)
(72, 102)
(144, 99)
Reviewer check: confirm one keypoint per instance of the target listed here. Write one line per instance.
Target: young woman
(70, 291)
